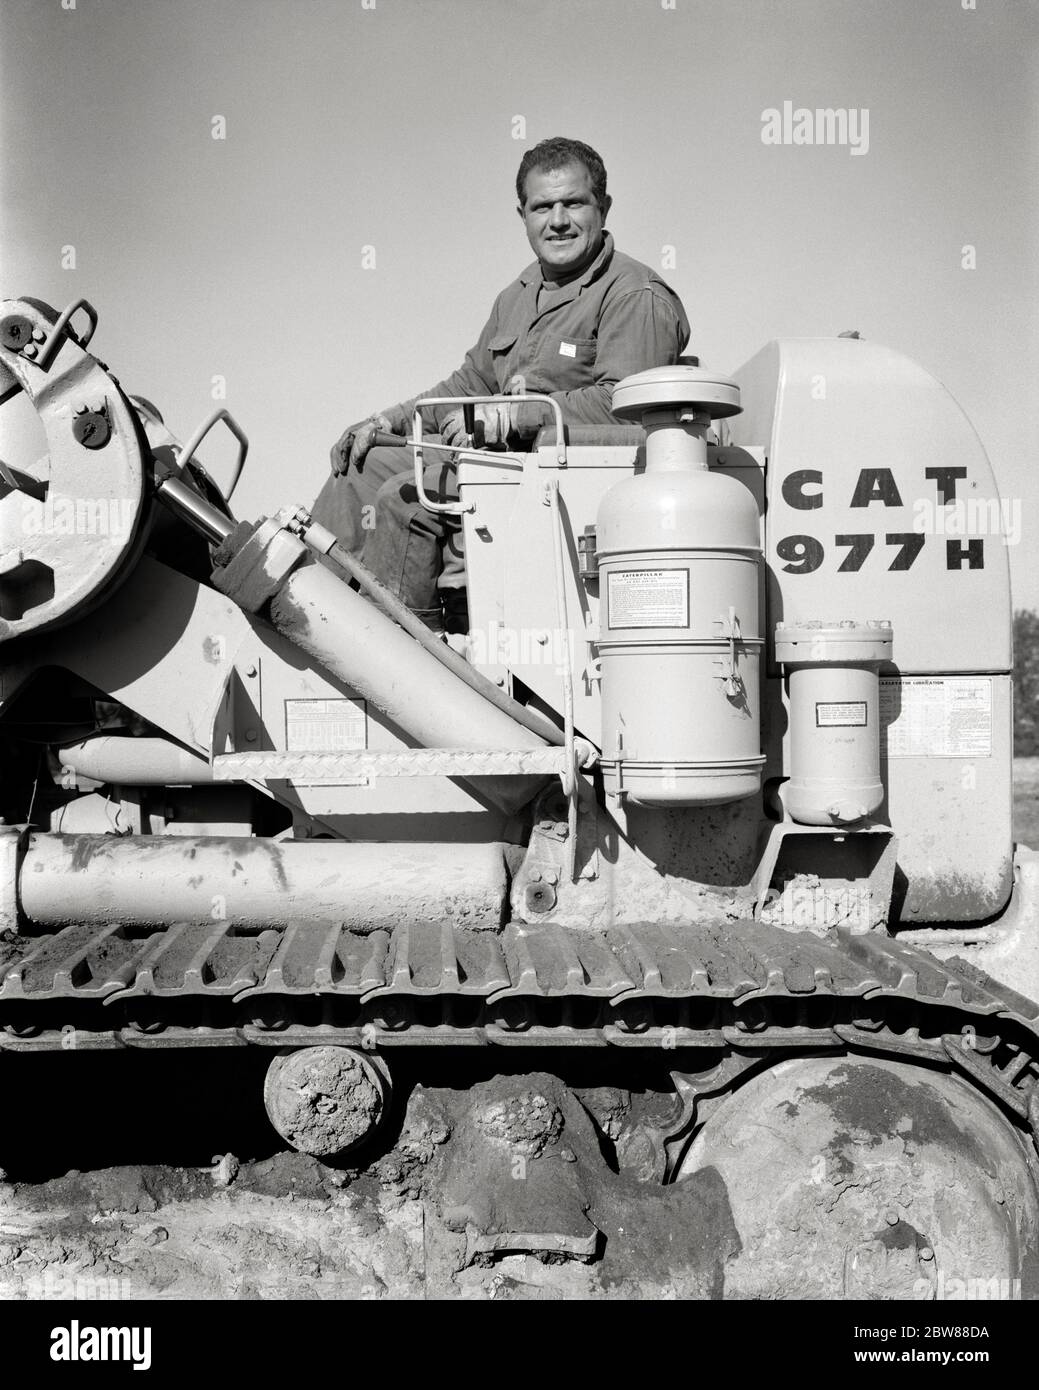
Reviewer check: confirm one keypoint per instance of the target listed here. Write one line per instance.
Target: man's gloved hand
(491, 427)
(505, 425)
(453, 431)
(350, 448)
(496, 422)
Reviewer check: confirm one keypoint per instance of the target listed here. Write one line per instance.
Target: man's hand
(350, 448)
(491, 427)
(496, 423)
(453, 431)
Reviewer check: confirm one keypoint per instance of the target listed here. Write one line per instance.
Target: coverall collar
(533, 275)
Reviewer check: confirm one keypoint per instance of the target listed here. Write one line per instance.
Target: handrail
(460, 508)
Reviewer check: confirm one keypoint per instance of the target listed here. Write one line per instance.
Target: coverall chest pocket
(569, 362)
(502, 348)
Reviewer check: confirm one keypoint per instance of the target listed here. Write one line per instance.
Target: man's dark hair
(556, 152)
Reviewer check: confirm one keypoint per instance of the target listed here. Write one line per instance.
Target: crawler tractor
(719, 798)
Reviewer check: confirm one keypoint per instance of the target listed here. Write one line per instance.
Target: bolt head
(91, 429)
(15, 332)
(30, 350)
(540, 897)
(38, 335)
(891, 1217)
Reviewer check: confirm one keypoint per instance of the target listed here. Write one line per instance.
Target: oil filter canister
(834, 689)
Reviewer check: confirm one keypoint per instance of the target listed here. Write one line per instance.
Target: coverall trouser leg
(346, 503)
(404, 549)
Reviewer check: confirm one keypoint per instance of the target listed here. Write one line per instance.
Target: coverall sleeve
(475, 377)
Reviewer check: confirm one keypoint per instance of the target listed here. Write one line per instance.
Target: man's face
(563, 220)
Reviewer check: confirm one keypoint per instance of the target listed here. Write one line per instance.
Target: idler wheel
(853, 1177)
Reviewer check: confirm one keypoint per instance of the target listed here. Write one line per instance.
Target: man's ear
(607, 203)
(519, 209)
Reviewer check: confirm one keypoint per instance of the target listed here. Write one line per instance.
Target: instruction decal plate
(840, 714)
(936, 716)
(326, 726)
(647, 598)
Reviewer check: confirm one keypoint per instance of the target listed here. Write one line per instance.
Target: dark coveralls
(573, 342)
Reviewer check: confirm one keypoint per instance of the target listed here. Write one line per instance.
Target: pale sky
(390, 124)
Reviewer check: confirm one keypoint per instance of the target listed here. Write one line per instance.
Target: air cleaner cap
(677, 386)
(822, 641)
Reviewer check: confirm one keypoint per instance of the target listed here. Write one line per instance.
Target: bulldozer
(719, 798)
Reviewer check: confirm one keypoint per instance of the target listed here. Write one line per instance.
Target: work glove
(491, 426)
(495, 426)
(453, 431)
(353, 444)
(497, 423)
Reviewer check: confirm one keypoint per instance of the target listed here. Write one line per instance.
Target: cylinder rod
(256, 883)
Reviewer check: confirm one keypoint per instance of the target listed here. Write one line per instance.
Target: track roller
(326, 1100)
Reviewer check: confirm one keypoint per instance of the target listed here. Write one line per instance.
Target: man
(571, 326)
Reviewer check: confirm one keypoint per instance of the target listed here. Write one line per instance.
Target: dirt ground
(142, 1177)
(499, 1190)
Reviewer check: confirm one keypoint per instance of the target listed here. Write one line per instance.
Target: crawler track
(725, 987)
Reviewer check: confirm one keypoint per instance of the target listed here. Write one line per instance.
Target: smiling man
(575, 322)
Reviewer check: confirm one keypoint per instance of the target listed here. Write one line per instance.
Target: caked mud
(507, 1187)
